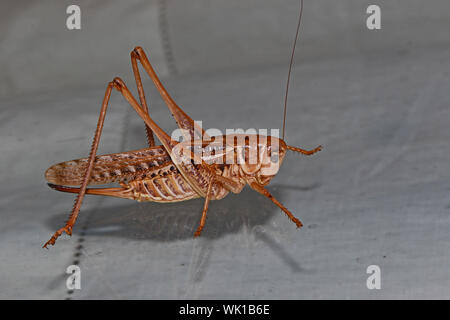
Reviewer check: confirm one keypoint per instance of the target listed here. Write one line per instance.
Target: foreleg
(266, 193)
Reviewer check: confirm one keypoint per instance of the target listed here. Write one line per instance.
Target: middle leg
(205, 207)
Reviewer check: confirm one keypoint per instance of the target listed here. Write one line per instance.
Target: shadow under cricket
(176, 221)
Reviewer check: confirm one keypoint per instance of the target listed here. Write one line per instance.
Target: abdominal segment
(110, 168)
(169, 188)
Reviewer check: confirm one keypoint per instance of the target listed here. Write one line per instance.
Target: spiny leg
(76, 208)
(195, 132)
(227, 184)
(121, 192)
(165, 139)
(140, 88)
(205, 207)
(118, 84)
(303, 151)
(259, 188)
(191, 131)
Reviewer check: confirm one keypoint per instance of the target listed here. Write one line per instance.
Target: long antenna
(290, 66)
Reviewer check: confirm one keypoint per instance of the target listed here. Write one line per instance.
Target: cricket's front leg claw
(66, 229)
(319, 148)
(303, 151)
(311, 152)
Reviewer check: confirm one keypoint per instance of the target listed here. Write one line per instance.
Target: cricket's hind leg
(191, 131)
(76, 208)
(140, 89)
(111, 192)
(119, 85)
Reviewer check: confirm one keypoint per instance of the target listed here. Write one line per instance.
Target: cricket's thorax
(246, 158)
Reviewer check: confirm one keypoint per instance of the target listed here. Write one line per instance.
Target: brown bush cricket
(199, 166)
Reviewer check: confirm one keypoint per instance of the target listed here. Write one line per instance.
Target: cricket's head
(262, 160)
(274, 153)
(271, 155)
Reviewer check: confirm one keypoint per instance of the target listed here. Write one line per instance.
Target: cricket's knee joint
(118, 83)
(138, 51)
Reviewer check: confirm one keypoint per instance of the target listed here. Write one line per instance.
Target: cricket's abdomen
(116, 167)
(170, 187)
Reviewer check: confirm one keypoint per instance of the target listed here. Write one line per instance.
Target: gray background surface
(377, 194)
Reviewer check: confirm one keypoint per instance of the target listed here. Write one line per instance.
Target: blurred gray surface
(376, 195)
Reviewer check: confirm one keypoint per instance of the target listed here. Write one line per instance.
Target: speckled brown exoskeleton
(199, 166)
